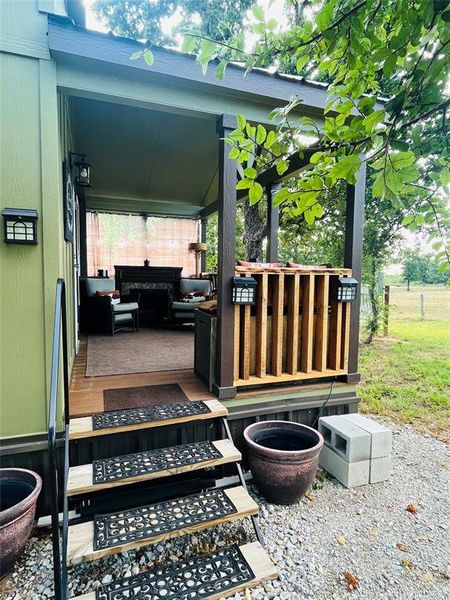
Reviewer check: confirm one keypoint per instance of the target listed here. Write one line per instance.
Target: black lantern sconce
(346, 289)
(82, 167)
(20, 225)
(244, 290)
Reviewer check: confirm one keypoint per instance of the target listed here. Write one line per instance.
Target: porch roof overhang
(67, 40)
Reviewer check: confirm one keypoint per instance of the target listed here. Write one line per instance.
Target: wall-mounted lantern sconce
(20, 225)
(82, 169)
(346, 289)
(244, 290)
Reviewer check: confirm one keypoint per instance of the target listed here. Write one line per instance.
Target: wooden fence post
(422, 307)
(387, 294)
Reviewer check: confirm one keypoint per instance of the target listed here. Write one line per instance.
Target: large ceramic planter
(19, 491)
(283, 457)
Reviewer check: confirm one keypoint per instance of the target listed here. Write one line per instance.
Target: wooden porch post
(273, 220)
(203, 223)
(354, 222)
(226, 247)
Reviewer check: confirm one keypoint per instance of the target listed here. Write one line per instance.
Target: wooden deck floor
(86, 393)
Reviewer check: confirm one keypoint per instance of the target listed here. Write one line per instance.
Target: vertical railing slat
(237, 340)
(277, 324)
(321, 336)
(307, 323)
(292, 323)
(261, 326)
(335, 336)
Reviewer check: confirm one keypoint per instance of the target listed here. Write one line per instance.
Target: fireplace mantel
(127, 276)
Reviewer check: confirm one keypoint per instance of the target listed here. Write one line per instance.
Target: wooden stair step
(152, 464)
(209, 576)
(133, 528)
(119, 421)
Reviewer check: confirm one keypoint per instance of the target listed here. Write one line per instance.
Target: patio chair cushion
(185, 306)
(99, 284)
(125, 306)
(123, 318)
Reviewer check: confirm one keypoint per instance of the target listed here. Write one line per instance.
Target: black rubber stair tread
(133, 528)
(119, 421)
(209, 576)
(141, 466)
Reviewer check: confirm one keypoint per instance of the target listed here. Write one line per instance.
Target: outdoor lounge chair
(101, 313)
(192, 293)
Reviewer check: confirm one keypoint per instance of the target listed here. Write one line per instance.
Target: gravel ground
(330, 540)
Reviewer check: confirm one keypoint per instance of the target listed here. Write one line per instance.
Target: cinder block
(348, 440)
(349, 474)
(380, 469)
(381, 442)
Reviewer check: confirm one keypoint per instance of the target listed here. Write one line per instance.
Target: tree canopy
(145, 19)
(388, 71)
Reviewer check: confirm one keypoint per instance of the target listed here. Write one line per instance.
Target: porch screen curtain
(123, 239)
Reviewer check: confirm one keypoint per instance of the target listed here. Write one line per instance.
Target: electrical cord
(322, 408)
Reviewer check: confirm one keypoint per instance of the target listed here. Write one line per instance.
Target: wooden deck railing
(296, 330)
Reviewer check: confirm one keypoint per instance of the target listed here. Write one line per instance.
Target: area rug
(144, 351)
(145, 395)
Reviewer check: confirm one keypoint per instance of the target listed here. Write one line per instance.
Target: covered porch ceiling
(144, 160)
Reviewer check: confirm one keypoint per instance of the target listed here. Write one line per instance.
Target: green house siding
(30, 178)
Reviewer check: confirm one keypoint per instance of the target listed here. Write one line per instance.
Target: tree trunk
(374, 321)
(254, 231)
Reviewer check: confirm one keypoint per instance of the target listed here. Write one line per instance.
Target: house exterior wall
(30, 178)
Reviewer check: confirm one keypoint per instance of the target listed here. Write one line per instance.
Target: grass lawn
(406, 377)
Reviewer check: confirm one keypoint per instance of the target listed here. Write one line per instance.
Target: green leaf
(241, 121)
(259, 28)
(282, 166)
(250, 173)
(255, 192)
(260, 134)
(365, 105)
(244, 184)
(280, 196)
(258, 13)
(220, 69)
(148, 57)
(315, 158)
(270, 140)
(323, 18)
(309, 216)
(372, 120)
(136, 55)
(189, 43)
(346, 167)
(207, 49)
(400, 160)
(379, 187)
(234, 153)
(445, 176)
(301, 62)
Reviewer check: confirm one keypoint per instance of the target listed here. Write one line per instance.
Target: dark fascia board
(66, 38)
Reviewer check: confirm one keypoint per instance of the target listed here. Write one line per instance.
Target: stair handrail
(59, 333)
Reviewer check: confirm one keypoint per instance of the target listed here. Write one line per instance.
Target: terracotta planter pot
(283, 457)
(19, 491)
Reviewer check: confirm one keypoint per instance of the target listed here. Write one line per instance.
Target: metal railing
(59, 538)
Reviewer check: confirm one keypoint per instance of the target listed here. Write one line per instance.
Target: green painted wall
(30, 178)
